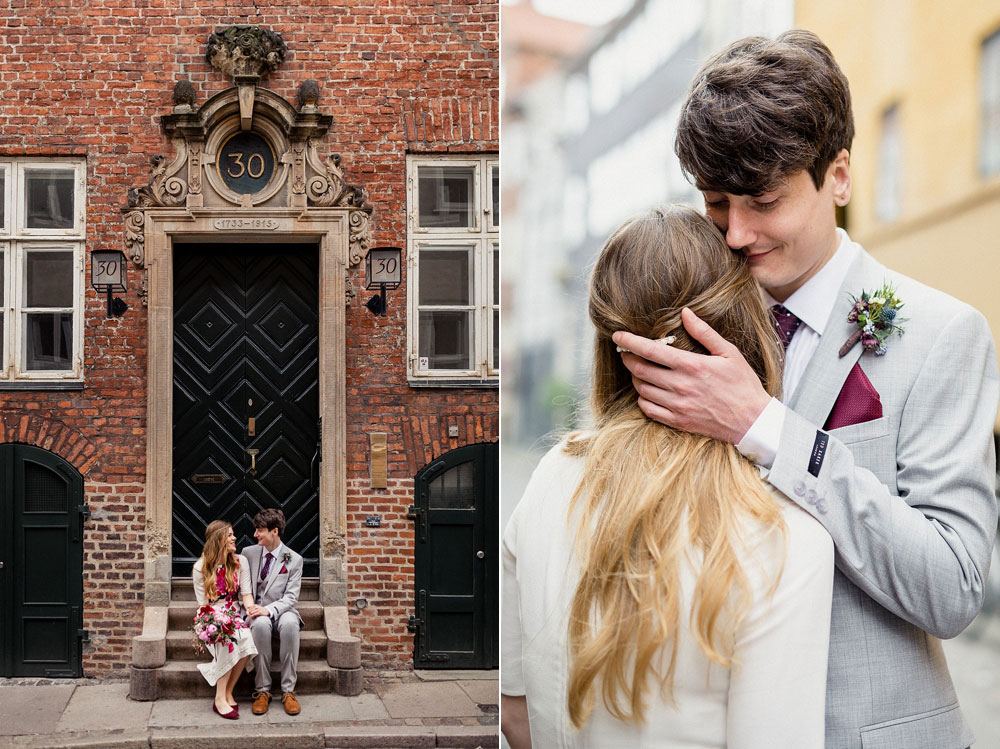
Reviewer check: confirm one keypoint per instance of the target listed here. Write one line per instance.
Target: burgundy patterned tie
(785, 323)
(267, 567)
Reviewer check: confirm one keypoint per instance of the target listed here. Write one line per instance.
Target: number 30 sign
(246, 163)
(383, 264)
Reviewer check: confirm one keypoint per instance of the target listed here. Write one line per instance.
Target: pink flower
(212, 629)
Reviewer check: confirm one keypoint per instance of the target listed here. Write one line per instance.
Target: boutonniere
(286, 557)
(877, 318)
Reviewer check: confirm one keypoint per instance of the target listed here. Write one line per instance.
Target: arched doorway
(455, 557)
(41, 548)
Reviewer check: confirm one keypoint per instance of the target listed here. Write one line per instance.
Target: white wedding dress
(243, 645)
(773, 699)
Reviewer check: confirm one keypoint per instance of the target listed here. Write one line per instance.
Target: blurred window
(889, 183)
(453, 262)
(41, 269)
(990, 98)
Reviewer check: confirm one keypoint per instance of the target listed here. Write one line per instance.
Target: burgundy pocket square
(284, 569)
(858, 402)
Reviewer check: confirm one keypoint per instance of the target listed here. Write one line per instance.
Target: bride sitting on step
(228, 588)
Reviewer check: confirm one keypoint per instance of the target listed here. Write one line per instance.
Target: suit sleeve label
(818, 452)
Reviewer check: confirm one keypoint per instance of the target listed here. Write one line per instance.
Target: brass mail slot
(209, 478)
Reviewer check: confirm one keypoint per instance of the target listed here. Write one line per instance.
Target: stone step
(179, 679)
(180, 614)
(182, 589)
(312, 646)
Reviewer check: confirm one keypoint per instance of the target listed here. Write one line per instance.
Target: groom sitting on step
(276, 572)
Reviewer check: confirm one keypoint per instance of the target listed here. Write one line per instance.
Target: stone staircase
(164, 660)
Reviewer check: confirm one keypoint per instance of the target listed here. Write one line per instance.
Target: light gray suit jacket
(280, 592)
(909, 501)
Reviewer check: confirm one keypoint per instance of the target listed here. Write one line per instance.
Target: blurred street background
(591, 93)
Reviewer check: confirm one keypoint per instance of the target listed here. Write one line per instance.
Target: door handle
(253, 460)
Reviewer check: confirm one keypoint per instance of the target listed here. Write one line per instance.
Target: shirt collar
(276, 553)
(813, 301)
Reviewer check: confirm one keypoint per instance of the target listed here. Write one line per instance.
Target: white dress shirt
(811, 303)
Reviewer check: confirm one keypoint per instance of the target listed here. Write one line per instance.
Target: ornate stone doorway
(246, 169)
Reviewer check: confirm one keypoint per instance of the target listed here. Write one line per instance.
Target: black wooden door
(41, 547)
(246, 374)
(457, 598)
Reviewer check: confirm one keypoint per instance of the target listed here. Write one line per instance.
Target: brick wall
(91, 79)
(380, 570)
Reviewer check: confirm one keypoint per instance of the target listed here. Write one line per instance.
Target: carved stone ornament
(245, 51)
(163, 188)
(328, 187)
(190, 179)
(183, 96)
(308, 95)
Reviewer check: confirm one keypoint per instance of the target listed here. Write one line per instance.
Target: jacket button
(811, 496)
(821, 505)
(799, 488)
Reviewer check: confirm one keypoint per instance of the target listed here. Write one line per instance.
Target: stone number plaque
(246, 163)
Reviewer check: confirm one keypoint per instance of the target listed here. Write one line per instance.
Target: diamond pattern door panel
(245, 347)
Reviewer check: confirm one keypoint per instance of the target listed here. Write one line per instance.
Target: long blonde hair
(650, 492)
(216, 554)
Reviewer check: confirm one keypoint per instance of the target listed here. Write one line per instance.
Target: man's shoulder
(923, 305)
(293, 556)
(250, 551)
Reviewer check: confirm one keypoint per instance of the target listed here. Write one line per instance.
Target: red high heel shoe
(231, 715)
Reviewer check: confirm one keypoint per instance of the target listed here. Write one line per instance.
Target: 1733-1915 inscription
(262, 224)
(246, 163)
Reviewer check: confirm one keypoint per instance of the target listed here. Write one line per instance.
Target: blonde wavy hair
(650, 492)
(216, 554)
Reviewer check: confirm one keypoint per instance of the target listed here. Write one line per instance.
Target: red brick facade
(92, 80)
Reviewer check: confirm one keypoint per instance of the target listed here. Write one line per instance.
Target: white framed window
(42, 230)
(453, 278)
(989, 99)
(888, 194)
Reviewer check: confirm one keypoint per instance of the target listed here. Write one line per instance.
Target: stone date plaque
(245, 163)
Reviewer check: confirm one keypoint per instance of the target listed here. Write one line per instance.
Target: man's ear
(840, 172)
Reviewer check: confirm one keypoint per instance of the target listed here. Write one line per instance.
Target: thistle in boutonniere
(286, 557)
(877, 317)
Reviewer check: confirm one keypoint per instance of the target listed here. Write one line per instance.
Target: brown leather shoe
(260, 702)
(292, 706)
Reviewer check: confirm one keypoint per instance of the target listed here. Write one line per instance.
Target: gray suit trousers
(262, 630)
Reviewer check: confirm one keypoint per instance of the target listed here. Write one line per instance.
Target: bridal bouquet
(213, 627)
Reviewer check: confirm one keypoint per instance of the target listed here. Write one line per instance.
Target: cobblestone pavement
(456, 709)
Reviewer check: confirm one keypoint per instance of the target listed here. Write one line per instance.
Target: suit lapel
(253, 557)
(826, 372)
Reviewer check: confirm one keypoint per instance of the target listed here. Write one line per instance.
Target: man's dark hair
(270, 519)
(762, 110)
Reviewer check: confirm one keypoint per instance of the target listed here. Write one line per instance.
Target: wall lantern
(107, 275)
(382, 266)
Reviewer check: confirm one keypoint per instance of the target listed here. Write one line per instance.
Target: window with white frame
(453, 267)
(889, 181)
(989, 98)
(42, 230)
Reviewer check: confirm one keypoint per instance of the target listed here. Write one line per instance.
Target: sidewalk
(419, 709)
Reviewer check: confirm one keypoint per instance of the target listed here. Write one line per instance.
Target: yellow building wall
(924, 56)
